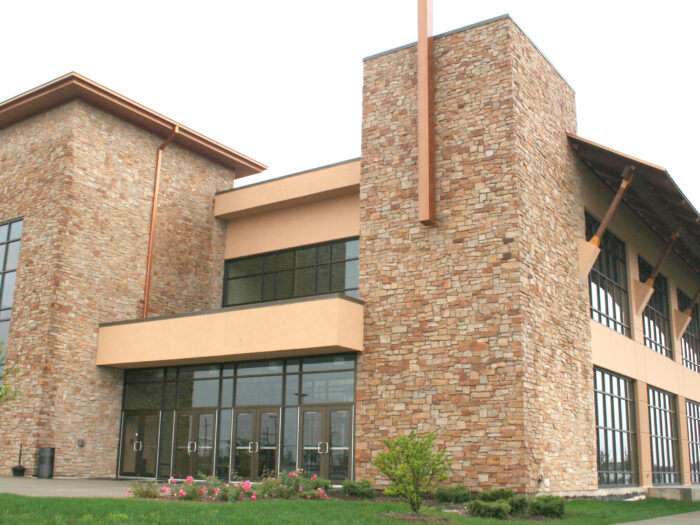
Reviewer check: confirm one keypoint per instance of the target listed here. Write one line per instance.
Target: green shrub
(518, 505)
(456, 494)
(547, 506)
(360, 489)
(144, 489)
(489, 509)
(495, 494)
(293, 485)
(413, 466)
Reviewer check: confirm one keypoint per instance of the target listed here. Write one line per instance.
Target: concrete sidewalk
(689, 518)
(71, 488)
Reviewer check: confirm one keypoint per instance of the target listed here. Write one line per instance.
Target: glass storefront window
(259, 390)
(196, 403)
(330, 387)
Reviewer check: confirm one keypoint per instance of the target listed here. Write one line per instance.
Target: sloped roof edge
(653, 196)
(75, 86)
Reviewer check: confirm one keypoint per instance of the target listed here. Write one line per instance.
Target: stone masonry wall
(443, 320)
(557, 352)
(34, 155)
(463, 327)
(99, 270)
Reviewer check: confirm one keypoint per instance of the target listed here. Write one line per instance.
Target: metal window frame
(663, 434)
(612, 259)
(657, 313)
(225, 302)
(615, 436)
(692, 410)
(690, 342)
(284, 404)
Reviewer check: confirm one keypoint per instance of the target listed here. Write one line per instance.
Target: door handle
(328, 448)
(136, 446)
(195, 447)
(189, 447)
(140, 446)
(318, 447)
(250, 447)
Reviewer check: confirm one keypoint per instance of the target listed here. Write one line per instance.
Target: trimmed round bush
(547, 506)
(456, 494)
(518, 505)
(489, 509)
(359, 489)
(495, 494)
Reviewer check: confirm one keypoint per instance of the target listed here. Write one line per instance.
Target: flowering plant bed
(293, 485)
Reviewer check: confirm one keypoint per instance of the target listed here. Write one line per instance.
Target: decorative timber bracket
(642, 291)
(426, 130)
(588, 251)
(681, 320)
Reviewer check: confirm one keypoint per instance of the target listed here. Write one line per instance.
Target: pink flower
(314, 477)
(292, 475)
(308, 497)
(189, 478)
(246, 486)
(202, 491)
(128, 492)
(171, 480)
(165, 490)
(320, 490)
(182, 493)
(265, 496)
(254, 497)
(216, 491)
(301, 489)
(325, 496)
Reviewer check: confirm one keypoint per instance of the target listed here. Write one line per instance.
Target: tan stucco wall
(628, 356)
(325, 220)
(322, 183)
(304, 327)
(621, 354)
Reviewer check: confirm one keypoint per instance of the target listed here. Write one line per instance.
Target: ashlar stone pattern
(83, 181)
(473, 329)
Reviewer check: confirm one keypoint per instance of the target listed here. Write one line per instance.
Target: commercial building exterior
(297, 323)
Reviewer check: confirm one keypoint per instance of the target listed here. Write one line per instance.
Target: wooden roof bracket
(681, 320)
(426, 129)
(588, 251)
(154, 209)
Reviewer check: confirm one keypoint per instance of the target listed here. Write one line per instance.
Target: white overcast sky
(281, 80)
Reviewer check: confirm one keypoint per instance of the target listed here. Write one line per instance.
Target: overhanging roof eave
(74, 86)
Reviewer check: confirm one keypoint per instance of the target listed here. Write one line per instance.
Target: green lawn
(35, 511)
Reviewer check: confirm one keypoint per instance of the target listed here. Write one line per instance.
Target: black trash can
(45, 470)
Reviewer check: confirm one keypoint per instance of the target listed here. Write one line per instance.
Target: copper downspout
(627, 176)
(426, 175)
(154, 209)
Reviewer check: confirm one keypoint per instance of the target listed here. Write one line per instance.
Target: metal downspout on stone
(154, 209)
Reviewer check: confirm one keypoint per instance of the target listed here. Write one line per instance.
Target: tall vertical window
(608, 282)
(663, 429)
(656, 317)
(690, 342)
(299, 272)
(10, 238)
(615, 428)
(693, 414)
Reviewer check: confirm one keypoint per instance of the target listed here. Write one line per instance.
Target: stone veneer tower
(82, 179)
(476, 328)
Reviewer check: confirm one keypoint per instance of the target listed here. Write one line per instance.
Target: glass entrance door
(255, 438)
(325, 445)
(140, 444)
(195, 433)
